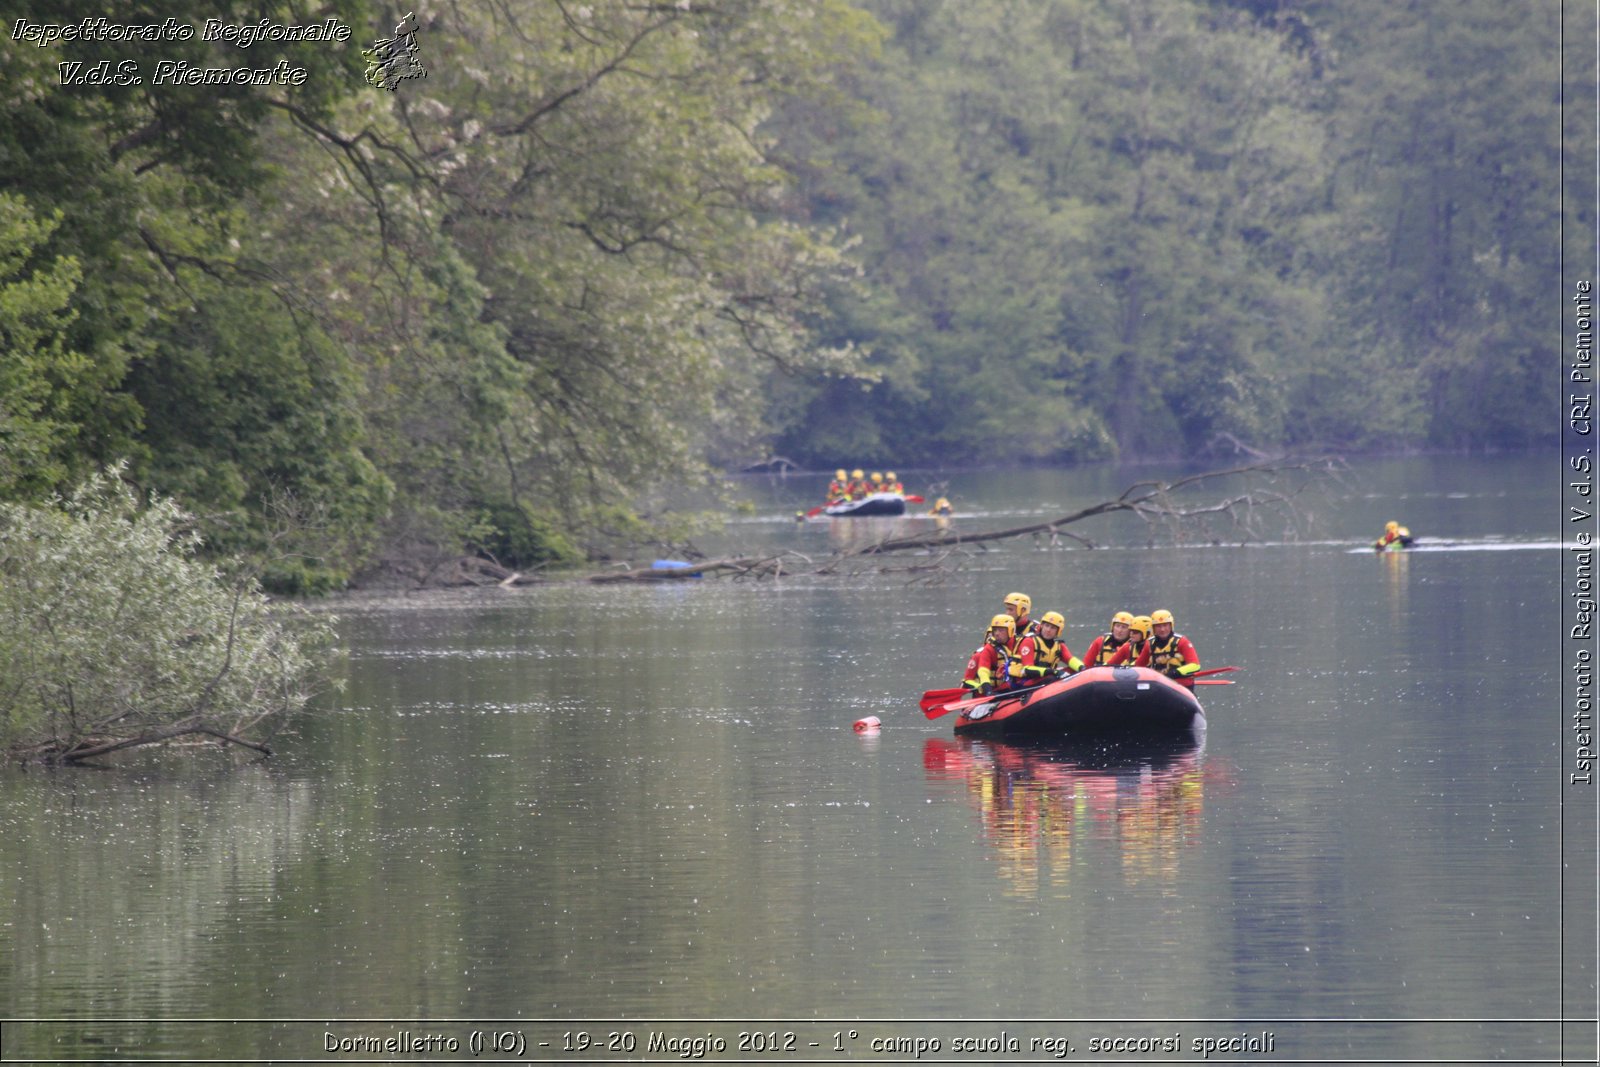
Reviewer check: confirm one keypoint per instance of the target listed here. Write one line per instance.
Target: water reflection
(852, 535)
(1397, 579)
(1040, 804)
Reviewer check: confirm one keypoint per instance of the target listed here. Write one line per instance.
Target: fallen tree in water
(1168, 508)
(1214, 506)
(1231, 505)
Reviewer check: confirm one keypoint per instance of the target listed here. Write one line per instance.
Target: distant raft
(867, 506)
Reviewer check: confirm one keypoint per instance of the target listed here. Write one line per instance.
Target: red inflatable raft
(1100, 700)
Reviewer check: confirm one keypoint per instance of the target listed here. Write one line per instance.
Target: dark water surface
(595, 804)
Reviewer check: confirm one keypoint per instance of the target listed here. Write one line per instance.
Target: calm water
(595, 809)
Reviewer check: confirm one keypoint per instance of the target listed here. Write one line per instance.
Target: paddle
(1212, 670)
(814, 512)
(1213, 681)
(934, 697)
(945, 709)
(913, 498)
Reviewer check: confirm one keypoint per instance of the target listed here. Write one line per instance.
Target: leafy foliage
(113, 633)
(40, 374)
(1165, 226)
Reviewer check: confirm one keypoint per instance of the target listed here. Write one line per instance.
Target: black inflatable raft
(1097, 701)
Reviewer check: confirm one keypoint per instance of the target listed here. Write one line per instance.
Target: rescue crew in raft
(988, 668)
(892, 484)
(1392, 532)
(1017, 605)
(1168, 652)
(1042, 656)
(1102, 648)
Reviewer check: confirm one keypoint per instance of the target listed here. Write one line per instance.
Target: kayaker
(891, 483)
(1017, 605)
(839, 488)
(1042, 656)
(987, 668)
(1102, 648)
(1168, 652)
(1138, 634)
(1392, 532)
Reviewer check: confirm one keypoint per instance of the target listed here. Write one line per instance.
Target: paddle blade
(814, 512)
(935, 697)
(1212, 670)
(913, 498)
(959, 705)
(1213, 681)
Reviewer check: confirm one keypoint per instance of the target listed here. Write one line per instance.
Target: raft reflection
(855, 534)
(1045, 805)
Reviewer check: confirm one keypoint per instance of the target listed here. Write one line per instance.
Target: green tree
(579, 261)
(1448, 154)
(114, 635)
(39, 375)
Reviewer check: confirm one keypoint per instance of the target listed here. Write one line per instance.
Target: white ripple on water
(1431, 546)
(456, 653)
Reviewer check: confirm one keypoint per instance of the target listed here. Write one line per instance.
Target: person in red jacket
(1392, 532)
(858, 484)
(1138, 634)
(988, 668)
(1102, 648)
(1042, 656)
(1017, 605)
(1170, 653)
(839, 488)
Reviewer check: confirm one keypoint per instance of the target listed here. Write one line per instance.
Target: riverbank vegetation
(114, 635)
(606, 250)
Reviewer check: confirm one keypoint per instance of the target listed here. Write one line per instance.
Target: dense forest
(605, 250)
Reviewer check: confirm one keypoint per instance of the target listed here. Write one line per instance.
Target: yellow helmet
(1021, 601)
(1391, 526)
(1159, 616)
(857, 475)
(877, 477)
(1123, 617)
(1004, 620)
(889, 476)
(1142, 624)
(942, 502)
(839, 475)
(1054, 619)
